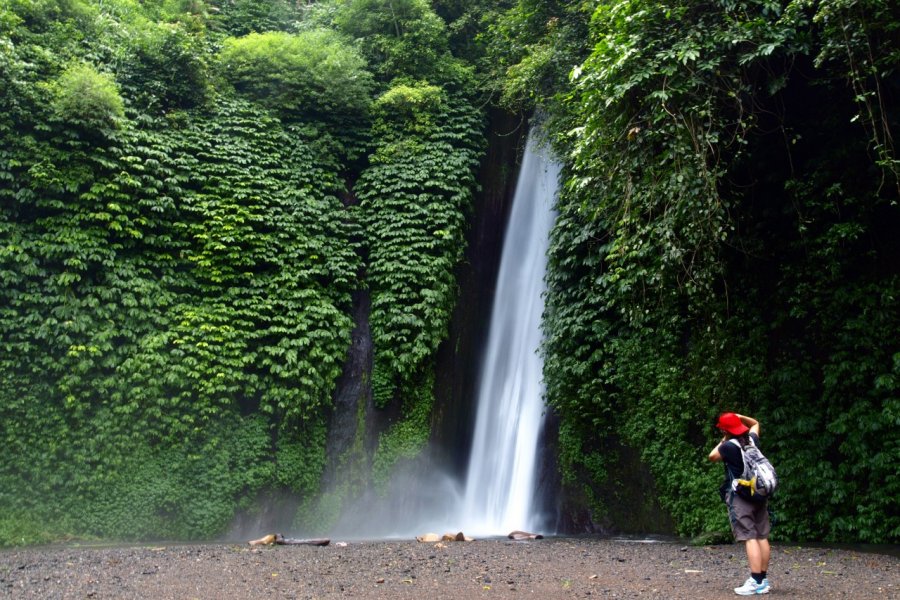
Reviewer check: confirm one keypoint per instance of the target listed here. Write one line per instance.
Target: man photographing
(749, 517)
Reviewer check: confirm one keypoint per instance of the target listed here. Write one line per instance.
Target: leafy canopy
(312, 74)
(84, 97)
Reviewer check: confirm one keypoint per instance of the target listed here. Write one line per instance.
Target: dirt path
(549, 568)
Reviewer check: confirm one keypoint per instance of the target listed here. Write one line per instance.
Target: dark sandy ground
(584, 567)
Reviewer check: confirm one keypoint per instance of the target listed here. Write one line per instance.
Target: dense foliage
(178, 246)
(312, 73)
(414, 199)
(727, 241)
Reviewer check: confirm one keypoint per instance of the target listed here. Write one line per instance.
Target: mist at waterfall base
(498, 493)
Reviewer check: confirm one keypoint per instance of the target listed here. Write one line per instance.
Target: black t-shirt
(733, 460)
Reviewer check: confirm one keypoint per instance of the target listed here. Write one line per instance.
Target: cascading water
(499, 490)
(498, 495)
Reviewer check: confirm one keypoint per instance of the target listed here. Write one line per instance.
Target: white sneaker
(750, 588)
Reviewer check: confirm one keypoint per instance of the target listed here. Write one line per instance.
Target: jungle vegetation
(191, 191)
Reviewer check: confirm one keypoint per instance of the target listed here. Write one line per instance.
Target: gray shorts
(749, 520)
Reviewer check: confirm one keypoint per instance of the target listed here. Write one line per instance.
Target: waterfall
(499, 490)
(498, 493)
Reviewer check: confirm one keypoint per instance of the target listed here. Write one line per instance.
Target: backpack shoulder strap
(737, 443)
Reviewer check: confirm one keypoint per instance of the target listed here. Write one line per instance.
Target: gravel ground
(583, 567)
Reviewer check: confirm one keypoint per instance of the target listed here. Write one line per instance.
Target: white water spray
(499, 492)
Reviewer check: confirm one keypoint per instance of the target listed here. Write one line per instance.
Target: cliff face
(356, 424)
(353, 396)
(458, 359)
(460, 356)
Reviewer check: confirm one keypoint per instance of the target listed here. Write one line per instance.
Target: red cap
(731, 423)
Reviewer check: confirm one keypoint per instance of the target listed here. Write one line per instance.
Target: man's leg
(755, 583)
(765, 553)
(753, 528)
(755, 554)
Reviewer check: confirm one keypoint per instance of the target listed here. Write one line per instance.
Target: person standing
(749, 518)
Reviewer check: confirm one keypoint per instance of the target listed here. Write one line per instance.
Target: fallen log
(277, 538)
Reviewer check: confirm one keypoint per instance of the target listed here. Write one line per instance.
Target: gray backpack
(759, 480)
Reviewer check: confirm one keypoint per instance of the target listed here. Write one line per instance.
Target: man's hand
(750, 422)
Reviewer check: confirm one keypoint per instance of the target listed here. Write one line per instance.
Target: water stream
(499, 490)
